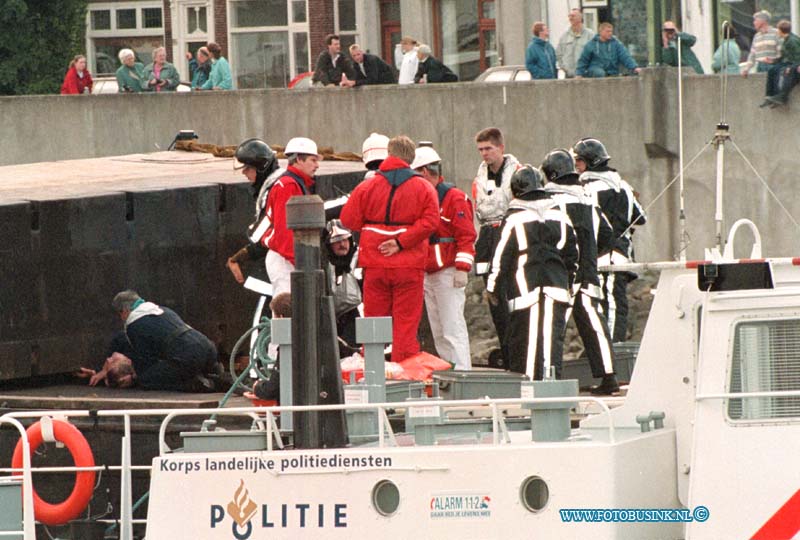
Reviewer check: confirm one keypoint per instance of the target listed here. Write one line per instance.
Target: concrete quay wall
(637, 118)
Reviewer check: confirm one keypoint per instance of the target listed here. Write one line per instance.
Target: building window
(390, 30)
(466, 36)
(101, 19)
(196, 19)
(765, 358)
(249, 13)
(299, 11)
(126, 19)
(267, 50)
(345, 22)
(125, 25)
(152, 18)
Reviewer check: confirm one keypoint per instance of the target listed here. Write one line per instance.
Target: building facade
(268, 42)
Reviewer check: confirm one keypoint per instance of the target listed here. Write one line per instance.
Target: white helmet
(425, 155)
(375, 148)
(301, 145)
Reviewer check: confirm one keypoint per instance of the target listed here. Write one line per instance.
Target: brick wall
(167, 18)
(221, 26)
(320, 24)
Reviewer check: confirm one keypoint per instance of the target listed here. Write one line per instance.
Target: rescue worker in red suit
(451, 254)
(395, 211)
(297, 180)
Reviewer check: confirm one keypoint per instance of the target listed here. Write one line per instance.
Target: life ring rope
(78, 500)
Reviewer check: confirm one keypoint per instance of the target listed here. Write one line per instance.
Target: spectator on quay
(410, 62)
(130, 75)
(670, 38)
(395, 211)
(368, 69)
(78, 80)
(200, 67)
(540, 57)
(728, 54)
(332, 66)
(161, 76)
(783, 76)
(571, 44)
(431, 70)
(603, 55)
(764, 48)
(220, 76)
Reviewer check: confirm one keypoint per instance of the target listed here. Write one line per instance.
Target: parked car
(108, 85)
(302, 81)
(504, 74)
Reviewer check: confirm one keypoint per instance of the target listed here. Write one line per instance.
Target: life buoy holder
(72, 506)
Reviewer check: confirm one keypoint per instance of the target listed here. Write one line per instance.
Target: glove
(491, 298)
(460, 279)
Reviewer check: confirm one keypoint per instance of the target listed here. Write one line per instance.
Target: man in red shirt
(451, 253)
(396, 211)
(297, 180)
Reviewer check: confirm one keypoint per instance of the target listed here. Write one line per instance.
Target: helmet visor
(238, 165)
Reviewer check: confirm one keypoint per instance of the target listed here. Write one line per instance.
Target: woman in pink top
(160, 75)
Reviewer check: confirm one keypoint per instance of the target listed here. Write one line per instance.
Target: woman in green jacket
(220, 77)
(161, 76)
(130, 75)
(727, 54)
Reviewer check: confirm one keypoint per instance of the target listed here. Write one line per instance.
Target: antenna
(720, 136)
(682, 215)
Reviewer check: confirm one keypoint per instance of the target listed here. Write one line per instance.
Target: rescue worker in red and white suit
(395, 211)
(297, 180)
(451, 254)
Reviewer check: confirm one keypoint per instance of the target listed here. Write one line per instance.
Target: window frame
(291, 29)
(729, 368)
(113, 31)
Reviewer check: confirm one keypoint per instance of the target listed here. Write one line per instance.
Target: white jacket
(491, 200)
(408, 69)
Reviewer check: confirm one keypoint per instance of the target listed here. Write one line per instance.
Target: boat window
(766, 358)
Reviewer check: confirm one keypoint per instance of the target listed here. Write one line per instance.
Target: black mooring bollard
(315, 359)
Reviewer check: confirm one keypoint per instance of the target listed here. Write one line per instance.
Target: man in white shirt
(410, 63)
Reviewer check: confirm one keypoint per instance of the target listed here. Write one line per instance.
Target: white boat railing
(500, 435)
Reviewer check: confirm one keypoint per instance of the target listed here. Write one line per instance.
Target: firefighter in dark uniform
(534, 268)
(618, 202)
(594, 235)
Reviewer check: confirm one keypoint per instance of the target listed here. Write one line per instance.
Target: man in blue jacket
(540, 56)
(603, 55)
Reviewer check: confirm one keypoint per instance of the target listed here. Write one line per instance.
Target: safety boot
(607, 387)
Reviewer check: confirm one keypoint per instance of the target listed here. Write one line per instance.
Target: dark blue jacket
(168, 351)
(540, 59)
(607, 55)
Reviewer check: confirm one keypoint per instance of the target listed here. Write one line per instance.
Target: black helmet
(592, 151)
(254, 153)
(558, 164)
(526, 180)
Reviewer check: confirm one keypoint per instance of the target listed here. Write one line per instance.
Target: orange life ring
(72, 506)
